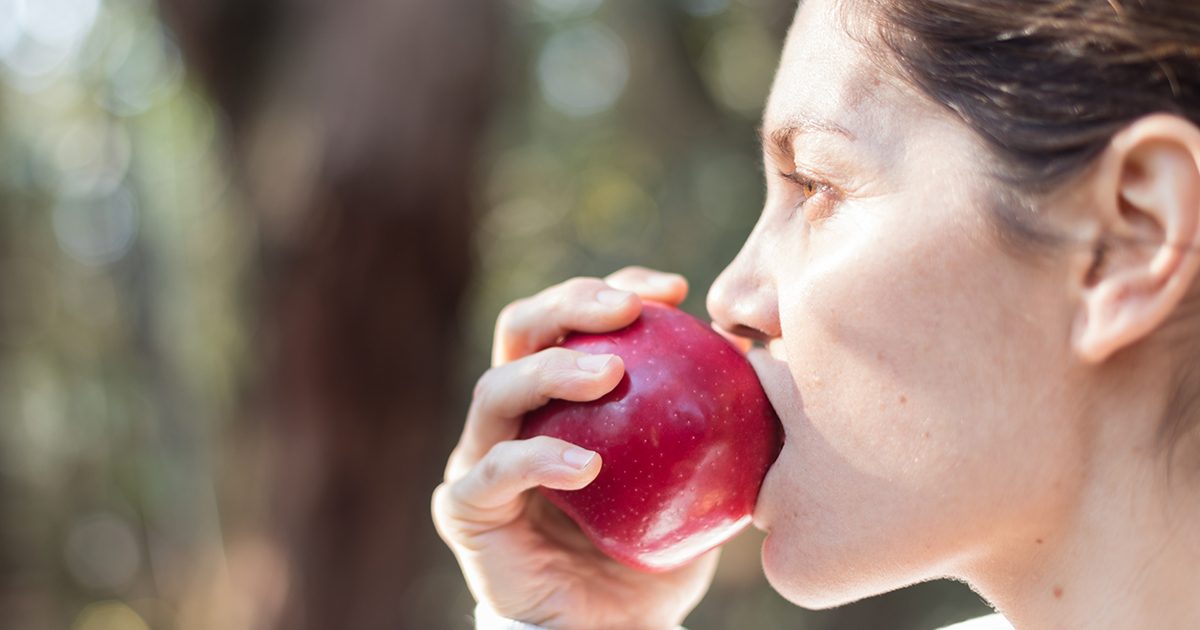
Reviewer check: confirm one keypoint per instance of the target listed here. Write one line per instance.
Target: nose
(743, 300)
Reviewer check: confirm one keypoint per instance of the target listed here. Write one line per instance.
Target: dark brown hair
(1047, 84)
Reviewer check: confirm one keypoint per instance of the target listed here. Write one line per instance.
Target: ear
(1147, 227)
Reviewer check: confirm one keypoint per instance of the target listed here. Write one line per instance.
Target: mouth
(759, 517)
(777, 383)
(776, 350)
(773, 373)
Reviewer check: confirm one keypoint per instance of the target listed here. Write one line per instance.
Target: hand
(520, 555)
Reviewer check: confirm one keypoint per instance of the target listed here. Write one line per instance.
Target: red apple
(686, 439)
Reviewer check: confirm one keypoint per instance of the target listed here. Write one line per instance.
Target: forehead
(829, 78)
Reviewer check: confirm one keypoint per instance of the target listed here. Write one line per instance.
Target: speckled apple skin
(686, 440)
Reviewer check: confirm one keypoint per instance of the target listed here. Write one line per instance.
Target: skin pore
(953, 407)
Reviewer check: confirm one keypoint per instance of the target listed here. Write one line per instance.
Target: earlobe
(1148, 236)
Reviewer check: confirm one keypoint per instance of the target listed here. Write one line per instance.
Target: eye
(807, 187)
(809, 190)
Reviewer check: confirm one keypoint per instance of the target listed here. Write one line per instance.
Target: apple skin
(686, 439)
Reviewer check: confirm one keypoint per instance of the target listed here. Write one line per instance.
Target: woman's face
(922, 370)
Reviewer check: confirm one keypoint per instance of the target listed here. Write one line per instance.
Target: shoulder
(990, 622)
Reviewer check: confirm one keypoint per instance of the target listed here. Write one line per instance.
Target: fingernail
(612, 297)
(593, 362)
(578, 458)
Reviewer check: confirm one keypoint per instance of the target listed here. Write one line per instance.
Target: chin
(816, 583)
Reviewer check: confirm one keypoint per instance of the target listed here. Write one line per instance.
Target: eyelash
(810, 189)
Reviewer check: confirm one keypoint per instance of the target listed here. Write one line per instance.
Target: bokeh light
(137, 243)
(704, 8)
(59, 23)
(583, 70)
(10, 25)
(559, 9)
(41, 36)
(102, 552)
(739, 63)
(109, 615)
(115, 221)
(96, 230)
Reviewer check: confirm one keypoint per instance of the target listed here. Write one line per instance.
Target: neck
(1125, 555)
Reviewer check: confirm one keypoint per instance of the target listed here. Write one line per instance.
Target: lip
(759, 518)
(776, 350)
(777, 382)
(773, 374)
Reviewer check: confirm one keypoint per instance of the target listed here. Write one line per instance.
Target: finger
(492, 493)
(579, 304)
(505, 394)
(742, 344)
(670, 288)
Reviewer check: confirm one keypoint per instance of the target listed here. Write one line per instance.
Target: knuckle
(438, 501)
(555, 370)
(576, 286)
(513, 459)
(542, 443)
(544, 452)
(519, 455)
(483, 386)
(454, 461)
(531, 370)
(630, 272)
(509, 315)
(512, 334)
(557, 304)
(441, 509)
(573, 292)
(531, 384)
(557, 358)
(490, 471)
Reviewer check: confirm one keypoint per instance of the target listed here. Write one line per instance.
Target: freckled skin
(686, 439)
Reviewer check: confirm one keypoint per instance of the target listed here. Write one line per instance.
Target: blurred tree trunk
(355, 126)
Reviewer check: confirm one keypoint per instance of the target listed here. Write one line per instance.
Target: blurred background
(250, 256)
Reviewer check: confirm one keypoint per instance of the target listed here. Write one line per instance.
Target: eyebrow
(779, 140)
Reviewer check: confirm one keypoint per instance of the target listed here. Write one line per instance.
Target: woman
(974, 282)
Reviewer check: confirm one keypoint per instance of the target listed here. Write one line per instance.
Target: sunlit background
(151, 216)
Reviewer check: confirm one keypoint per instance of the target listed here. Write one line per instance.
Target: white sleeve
(990, 622)
(488, 619)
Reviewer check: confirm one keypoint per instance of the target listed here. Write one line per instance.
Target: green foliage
(120, 258)
(626, 136)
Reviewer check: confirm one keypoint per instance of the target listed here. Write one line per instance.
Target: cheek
(927, 360)
(896, 347)
(915, 383)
